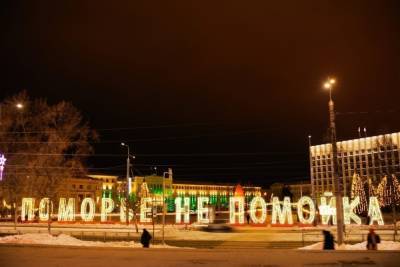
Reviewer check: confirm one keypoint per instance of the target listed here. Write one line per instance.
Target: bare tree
(45, 144)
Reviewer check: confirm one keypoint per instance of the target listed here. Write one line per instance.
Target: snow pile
(66, 240)
(384, 245)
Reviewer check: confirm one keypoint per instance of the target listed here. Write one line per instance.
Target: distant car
(214, 227)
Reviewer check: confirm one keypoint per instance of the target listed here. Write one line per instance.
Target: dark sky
(221, 91)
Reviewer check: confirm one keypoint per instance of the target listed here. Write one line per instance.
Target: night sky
(221, 91)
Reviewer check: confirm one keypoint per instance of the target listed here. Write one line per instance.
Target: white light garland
(185, 209)
(303, 201)
(358, 190)
(28, 205)
(374, 211)
(66, 211)
(86, 215)
(284, 213)
(258, 202)
(348, 210)
(145, 208)
(2, 164)
(236, 212)
(122, 213)
(107, 206)
(202, 211)
(45, 209)
(327, 211)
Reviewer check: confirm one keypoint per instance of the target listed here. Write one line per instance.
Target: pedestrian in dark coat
(145, 238)
(248, 217)
(328, 240)
(373, 240)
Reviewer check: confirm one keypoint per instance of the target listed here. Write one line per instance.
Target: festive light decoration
(303, 201)
(87, 215)
(122, 213)
(45, 209)
(240, 209)
(66, 211)
(348, 210)
(185, 210)
(27, 212)
(374, 211)
(327, 211)
(255, 203)
(282, 214)
(107, 206)
(2, 164)
(202, 211)
(281, 211)
(388, 191)
(358, 190)
(145, 208)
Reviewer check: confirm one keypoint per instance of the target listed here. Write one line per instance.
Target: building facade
(218, 193)
(370, 157)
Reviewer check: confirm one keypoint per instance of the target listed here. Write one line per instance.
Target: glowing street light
(19, 106)
(128, 183)
(332, 127)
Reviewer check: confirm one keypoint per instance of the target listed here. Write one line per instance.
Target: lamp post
(311, 169)
(128, 189)
(338, 190)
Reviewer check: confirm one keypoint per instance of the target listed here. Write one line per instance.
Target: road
(41, 256)
(242, 237)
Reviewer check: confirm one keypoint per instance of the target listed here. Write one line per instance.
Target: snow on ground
(384, 245)
(66, 240)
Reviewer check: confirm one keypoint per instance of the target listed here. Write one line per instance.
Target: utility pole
(311, 169)
(128, 189)
(335, 164)
(163, 202)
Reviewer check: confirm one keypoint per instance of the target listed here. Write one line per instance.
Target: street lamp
(332, 126)
(169, 173)
(18, 105)
(128, 189)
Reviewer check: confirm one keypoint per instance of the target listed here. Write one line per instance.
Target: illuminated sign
(281, 210)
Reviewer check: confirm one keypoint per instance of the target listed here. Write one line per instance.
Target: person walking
(373, 240)
(248, 217)
(145, 239)
(329, 243)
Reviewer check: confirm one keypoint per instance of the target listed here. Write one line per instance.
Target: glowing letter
(66, 212)
(86, 215)
(45, 209)
(202, 212)
(27, 209)
(348, 210)
(240, 209)
(185, 210)
(145, 209)
(122, 214)
(300, 204)
(254, 204)
(374, 212)
(2, 164)
(327, 211)
(107, 206)
(286, 211)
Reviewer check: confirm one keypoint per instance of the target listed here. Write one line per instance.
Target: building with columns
(370, 157)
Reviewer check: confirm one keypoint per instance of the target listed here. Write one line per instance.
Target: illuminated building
(370, 157)
(218, 193)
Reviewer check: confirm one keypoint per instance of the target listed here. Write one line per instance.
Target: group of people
(372, 240)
